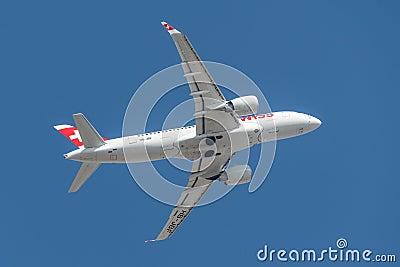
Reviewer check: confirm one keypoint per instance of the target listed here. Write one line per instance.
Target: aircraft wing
(211, 113)
(203, 174)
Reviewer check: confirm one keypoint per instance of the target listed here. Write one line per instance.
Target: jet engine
(239, 174)
(244, 105)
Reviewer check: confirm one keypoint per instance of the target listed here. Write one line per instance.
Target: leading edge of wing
(203, 88)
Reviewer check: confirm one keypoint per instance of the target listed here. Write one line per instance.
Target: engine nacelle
(239, 174)
(244, 105)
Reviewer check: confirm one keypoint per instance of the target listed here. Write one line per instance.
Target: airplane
(222, 128)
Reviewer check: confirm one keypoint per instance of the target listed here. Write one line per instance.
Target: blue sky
(337, 60)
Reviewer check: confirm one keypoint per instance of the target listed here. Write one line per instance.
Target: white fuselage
(183, 142)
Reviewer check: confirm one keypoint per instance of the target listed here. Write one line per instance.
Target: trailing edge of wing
(196, 187)
(204, 89)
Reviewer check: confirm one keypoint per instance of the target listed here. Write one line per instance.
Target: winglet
(169, 28)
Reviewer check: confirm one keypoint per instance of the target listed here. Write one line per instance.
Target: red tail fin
(71, 133)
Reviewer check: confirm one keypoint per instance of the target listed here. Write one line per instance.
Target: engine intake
(244, 105)
(239, 174)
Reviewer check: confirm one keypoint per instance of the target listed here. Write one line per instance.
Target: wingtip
(150, 240)
(72, 189)
(169, 27)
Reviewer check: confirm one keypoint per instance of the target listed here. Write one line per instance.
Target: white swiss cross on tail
(75, 136)
(71, 133)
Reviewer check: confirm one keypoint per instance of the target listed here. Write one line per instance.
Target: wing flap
(189, 198)
(204, 90)
(196, 187)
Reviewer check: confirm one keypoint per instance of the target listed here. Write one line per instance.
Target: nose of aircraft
(314, 123)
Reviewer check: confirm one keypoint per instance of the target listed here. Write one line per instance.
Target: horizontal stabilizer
(90, 137)
(86, 170)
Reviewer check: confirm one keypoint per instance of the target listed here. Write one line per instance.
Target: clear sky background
(337, 60)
